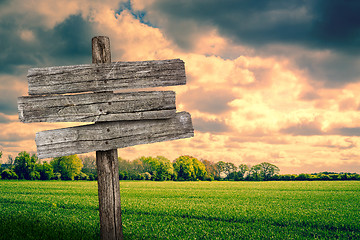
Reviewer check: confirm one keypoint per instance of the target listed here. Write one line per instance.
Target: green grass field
(184, 210)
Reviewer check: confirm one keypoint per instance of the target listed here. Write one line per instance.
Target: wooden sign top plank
(97, 107)
(106, 77)
(111, 135)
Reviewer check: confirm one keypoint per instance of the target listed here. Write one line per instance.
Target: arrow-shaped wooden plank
(97, 107)
(106, 77)
(111, 135)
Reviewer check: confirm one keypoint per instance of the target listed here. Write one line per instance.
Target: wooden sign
(106, 77)
(110, 135)
(97, 107)
(103, 106)
(120, 119)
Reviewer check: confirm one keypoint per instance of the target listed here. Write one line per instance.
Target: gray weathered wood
(101, 52)
(107, 166)
(109, 195)
(106, 76)
(97, 107)
(110, 135)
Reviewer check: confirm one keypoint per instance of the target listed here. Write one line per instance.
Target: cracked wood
(97, 107)
(106, 76)
(111, 135)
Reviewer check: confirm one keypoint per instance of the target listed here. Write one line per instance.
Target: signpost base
(109, 195)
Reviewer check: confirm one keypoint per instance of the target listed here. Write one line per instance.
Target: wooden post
(107, 166)
(109, 195)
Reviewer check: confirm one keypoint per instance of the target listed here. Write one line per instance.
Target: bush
(217, 178)
(123, 175)
(57, 176)
(8, 174)
(68, 166)
(34, 175)
(46, 171)
(275, 177)
(138, 176)
(287, 177)
(25, 166)
(354, 176)
(335, 176)
(303, 176)
(81, 176)
(209, 178)
(324, 177)
(147, 176)
(92, 177)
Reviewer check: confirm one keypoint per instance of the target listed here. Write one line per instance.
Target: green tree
(255, 173)
(165, 170)
(137, 166)
(184, 168)
(189, 168)
(9, 164)
(68, 166)
(220, 168)
(133, 170)
(323, 176)
(160, 168)
(268, 170)
(344, 176)
(45, 170)
(243, 170)
(123, 175)
(199, 169)
(210, 169)
(229, 168)
(124, 165)
(288, 177)
(8, 174)
(89, 167)
(81, 176)
(10, 161)
(25, 166)
(150, 165)
(303, 176)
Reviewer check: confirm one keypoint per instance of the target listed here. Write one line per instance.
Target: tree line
(183, 168)
(28, 167)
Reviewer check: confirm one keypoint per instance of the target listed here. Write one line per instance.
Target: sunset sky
(275, 81)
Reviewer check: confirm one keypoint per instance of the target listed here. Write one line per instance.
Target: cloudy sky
(275, 81)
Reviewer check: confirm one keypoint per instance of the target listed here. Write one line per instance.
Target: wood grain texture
(109, 195)
(111, 135)
(101, 52)
(97, 107)
(106, 77)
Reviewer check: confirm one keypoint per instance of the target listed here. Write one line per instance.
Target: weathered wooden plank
(97, 107)
(106, 76)
(111, 135)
